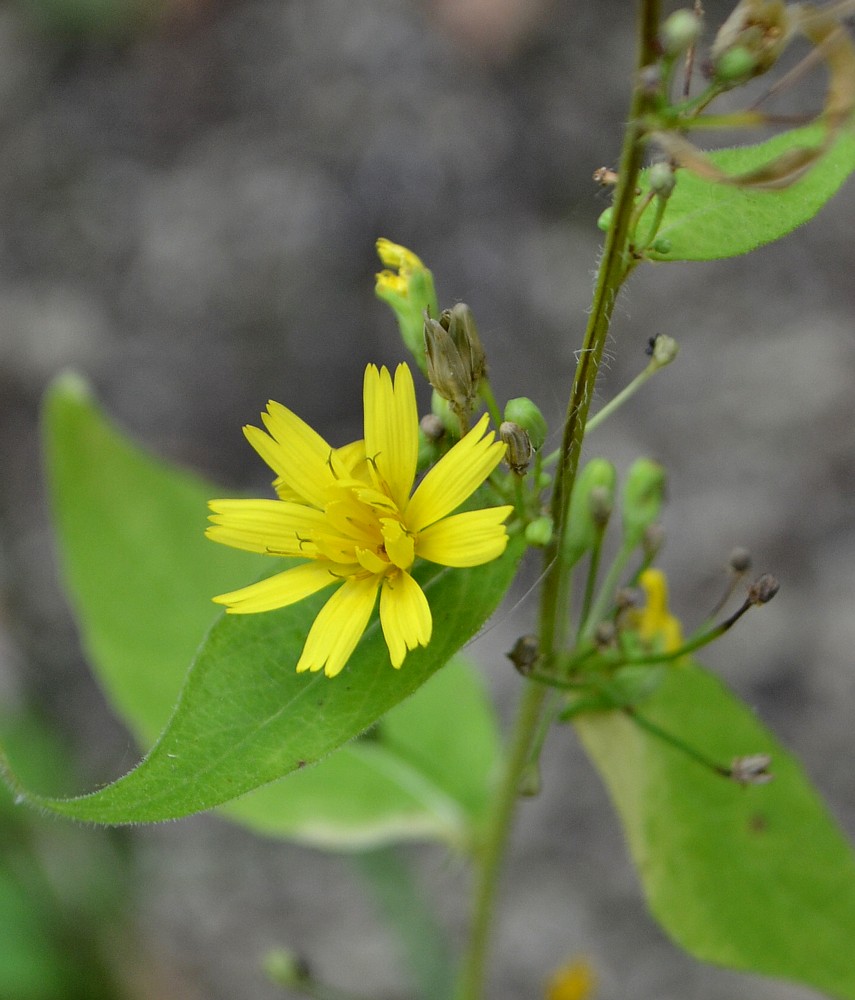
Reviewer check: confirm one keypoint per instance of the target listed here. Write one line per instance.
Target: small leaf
(708, 221)
(756, 878)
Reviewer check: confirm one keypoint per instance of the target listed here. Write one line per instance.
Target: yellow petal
(392, 428)
(455, 477)
(295, 452)
(405, 616)
(339, 626)
(272, 527)
(467, 539)
(398, 544)
(280, 590)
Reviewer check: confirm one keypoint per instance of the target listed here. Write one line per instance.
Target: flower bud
(663, 349)
(739, 560)
(525, 654)
(662, 178)
(455, 358)
(590, 505)
(662, 246)
(643, 496)
(605, 219)
(284, 968)
(519, 450)
(522, 411)
(680, 30)
(539, 532)
(763, 589)
(407, 286)
(750, 40)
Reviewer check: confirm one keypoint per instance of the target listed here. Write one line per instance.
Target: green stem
(473, 972)
(614, 268)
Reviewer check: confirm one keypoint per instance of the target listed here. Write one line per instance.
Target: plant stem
(473, 973)
(614, 268)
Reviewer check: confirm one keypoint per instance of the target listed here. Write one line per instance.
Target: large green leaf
(757, 878)
(426, 774)
(708, 221)
(118, 507)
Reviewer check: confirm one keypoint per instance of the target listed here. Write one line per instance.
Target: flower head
(574, 981)
(657, 627)
(407, 286)
(352, 514)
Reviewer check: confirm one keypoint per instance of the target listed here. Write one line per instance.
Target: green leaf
(136, 564)
(756, 878)
(426, 774)
(118, 507)
(707, 221)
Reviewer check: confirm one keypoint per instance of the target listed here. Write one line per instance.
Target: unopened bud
(593, 495)
(662, 179)
(752, 769)
(750, 40)
(763, 589)
(663, 349)
(525, 653)
(455, 358)
(605, 635)
(521, 410)
(739, 560)
(539, 532)
(680, 30)
(662, 246)
(518, 447)
(643, 496)
(432, 427)
(605, 219)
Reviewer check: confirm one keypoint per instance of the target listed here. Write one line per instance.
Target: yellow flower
(351, 513)
(656, 626)
(399, 265)
(574, 981)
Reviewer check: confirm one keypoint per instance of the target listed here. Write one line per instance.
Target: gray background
(189, 219)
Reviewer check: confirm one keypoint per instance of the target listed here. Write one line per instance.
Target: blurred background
(190, 192)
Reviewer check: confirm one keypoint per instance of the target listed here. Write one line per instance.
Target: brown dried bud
(763, 589)
(456, 362)
(605, 635)
(525, 654)
(432, 427)
(752, 769)
(518, 443)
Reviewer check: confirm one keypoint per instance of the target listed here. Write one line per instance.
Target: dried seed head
(763, 589)
(525, 653)
(518, 444)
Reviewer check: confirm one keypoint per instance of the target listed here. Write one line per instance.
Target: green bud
(751, 40)
(518, 445)
(605, 219)
(522, 411)
(643, 496)
(662, 246)
(593, 497)
(735, 66)
(662, 178)
(680, 30)
(539, 532)
(456, 362)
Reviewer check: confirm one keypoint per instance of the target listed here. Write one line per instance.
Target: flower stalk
(615, 266)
